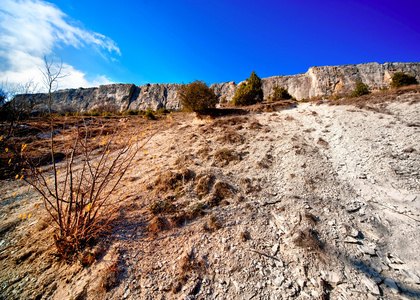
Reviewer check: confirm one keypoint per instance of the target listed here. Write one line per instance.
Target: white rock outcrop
(317, 81)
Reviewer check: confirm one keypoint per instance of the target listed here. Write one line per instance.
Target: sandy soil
(313, 202)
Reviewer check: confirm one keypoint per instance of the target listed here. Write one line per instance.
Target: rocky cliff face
(328, 80)
(317, 81)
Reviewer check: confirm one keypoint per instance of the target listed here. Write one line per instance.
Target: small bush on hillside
(92, 113)
(131, 112)
(149, 114)
(279, 93)
(401, 79)
(249, 92)
(360, 89)
(162, 111)
(197, 96)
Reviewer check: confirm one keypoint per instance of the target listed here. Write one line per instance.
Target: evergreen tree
(360, 89)
(401, 79)
(249, 92)
(197, 96)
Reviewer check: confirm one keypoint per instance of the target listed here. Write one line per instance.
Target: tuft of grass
(225, 156)
(307, 239)
(190, 263)
(160, 207)
(172, 180)
(149, 115)
(110, 277)
(190, 214)
(203, 152)
(213, 224)
(229, 122)
(244, 236)
(255, 125)
(157, 224)
(221, 191)
(231, 137)
(203, 185)
(196, 211)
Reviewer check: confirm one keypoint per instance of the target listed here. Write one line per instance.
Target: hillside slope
(312, 202)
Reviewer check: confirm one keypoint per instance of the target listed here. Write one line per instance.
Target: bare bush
(82, 187)
(77, 193)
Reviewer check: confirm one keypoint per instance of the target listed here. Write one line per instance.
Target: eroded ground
(313, 202)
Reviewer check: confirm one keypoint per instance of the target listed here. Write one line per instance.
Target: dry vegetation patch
(225, 156)
(179, 238)
(380, 99)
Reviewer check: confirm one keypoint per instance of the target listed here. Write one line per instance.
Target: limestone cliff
(328, 80)
(317, 81)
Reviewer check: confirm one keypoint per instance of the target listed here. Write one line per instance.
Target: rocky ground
(315, 202)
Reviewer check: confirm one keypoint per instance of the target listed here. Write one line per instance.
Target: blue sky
(147, 41)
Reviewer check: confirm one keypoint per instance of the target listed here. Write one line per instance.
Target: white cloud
(32, 29)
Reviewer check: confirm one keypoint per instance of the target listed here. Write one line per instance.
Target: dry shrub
(196, 211)
(78, 193)
(255, 125)
(206, 130)
(225, 156)
(203, 185)
(189, 214)
(244, 236)
(157, 224)
(188, 266)
(265, 162)
(178, 219)
(247, 186)
(221, 191)
(171, 180)
(87, 258)
(190, 263)
(159, 207)
(229, 122)
(231, 137)
(110, 277)
(203, 152)
(307, 239)
(9, 226)
(213, 224)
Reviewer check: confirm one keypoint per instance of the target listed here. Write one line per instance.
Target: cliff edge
(317, 81)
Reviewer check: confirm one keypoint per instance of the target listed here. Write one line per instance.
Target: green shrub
(92, 113)
(162, 111)
(197, 96)
(401, 79)
(149, 114)
(249, 92)
(131, 112)
(360, 89)
(279, 93)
